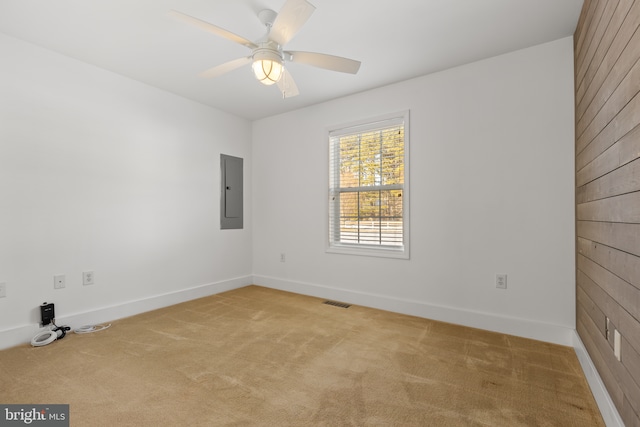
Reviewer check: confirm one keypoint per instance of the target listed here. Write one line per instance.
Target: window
(368, 187)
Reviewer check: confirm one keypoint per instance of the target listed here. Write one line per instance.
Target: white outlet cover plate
(501, 281)
(88, 278)
(59, 281)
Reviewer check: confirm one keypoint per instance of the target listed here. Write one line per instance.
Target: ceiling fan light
(267, 71)
(267, 65)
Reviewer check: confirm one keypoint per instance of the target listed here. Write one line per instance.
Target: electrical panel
(231, 192)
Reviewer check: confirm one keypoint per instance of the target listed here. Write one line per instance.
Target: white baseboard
(492, 322)
(23, 334)
(608, 410)
(526, 328)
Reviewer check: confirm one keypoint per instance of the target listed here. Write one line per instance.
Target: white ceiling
(395, 40)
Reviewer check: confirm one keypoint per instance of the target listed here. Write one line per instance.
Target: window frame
(361, 126)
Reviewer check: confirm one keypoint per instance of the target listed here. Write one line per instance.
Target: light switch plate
(616, 344)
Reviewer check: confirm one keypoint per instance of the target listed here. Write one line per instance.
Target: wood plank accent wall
(607, 87)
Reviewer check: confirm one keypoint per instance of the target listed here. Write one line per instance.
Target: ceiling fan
(267, 54)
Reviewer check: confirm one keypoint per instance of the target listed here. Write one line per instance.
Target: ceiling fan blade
(225, 68)
(287, 85)
(328, 62)
(203, 25)
(291, 18)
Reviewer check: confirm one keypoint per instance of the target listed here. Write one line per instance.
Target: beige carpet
(260, 357)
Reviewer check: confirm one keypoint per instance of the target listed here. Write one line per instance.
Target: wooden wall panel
(620, 12)
(591, 308)
(588, 10)
(607, 86)
(578, 33)
(631, 360)
(624, 265)
(605, 19)
(619, 318)
(625, 294)
(593, 341)
(625, 237)
(624, 122)
(610, 131)
(617, 371)
(626, 150)
(590, 31)
(624, 208)
(617, 91)
(622, 27)
(621, 181)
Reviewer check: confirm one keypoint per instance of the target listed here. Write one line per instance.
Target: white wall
(491, 192)
(99, 172)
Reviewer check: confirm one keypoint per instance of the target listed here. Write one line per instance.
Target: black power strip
(47, 313)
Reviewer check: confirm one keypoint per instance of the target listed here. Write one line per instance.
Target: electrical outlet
(59, 281)
(501, 281)
(616, 344)
(88, 278)
(283, 257)
(3, 290)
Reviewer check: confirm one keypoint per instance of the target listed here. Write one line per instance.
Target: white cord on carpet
(44, 338)
(87, 329)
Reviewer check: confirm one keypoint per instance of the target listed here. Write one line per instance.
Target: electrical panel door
(231, 192)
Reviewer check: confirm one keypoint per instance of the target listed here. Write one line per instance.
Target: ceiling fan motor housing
(267, 51)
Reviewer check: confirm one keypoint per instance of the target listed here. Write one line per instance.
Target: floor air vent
(337, 304)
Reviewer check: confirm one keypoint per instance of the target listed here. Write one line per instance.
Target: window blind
(367, 181)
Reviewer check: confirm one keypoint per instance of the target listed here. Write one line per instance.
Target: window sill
(371, 251)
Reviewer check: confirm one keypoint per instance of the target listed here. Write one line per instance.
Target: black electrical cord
(61, 331)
